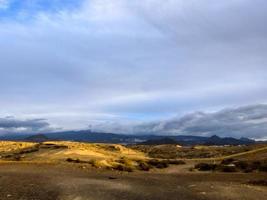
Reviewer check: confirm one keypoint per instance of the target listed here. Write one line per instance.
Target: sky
(123, 66)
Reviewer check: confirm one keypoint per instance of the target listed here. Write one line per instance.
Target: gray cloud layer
(249, 121)
(13, 125)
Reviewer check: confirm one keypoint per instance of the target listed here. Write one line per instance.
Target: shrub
(158, 163)
(248, 170)
(258, 182)
(263, 167)
(123, 168)
(176, 162)
(125, 161)
(255, 165)
(144, 166)
(17, 157)
(205, 166)
(228, 168)
(243, 165)
(76, 160)
(227, 161)
(73, 160)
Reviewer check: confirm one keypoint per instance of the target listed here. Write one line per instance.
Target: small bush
(263, 167)
(255, 165)
(125, 161)
(228, 168)
(258, 182)
(123, 168)
(73, 160)
(76, 160)
(248, 170)
(30, 150)
(205, 166)
(17, 157)
(158, 163)
(227, 161)
(176, 162)
(191, 169)
(243, 165)
(69, 160)
(143, 166)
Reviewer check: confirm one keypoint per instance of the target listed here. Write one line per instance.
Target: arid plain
(80, 171)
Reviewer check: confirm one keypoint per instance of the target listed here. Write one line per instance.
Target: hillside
(97, 155)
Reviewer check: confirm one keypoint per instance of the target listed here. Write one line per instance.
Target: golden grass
(106, 151)
(98, 155)
(112, 156)
(6, 146)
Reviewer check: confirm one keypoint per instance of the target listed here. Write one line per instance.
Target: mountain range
(97, 137)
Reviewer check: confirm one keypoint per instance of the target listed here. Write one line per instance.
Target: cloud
(129, 61)
(248, 121)
(13, 125)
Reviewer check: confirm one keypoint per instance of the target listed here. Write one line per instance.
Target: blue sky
(12, 8)
(116, 64)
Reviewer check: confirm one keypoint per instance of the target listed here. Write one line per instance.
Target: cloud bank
(13, 125)
(249, 121)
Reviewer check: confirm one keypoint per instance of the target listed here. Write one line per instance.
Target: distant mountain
(37, 138)
(216, 140)
(165, 140)
(97, 137)
(88, 136)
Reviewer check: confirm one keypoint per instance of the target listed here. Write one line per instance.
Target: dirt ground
(62, 182)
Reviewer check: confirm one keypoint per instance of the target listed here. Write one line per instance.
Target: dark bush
(143, 166)
(227, 161)
(72, 160)
(123, 168)
(205, 166)
(258, 182)
(243, 165)
(228, 168)
(30, 150)
(248, 170)
(17, 157)
(75, 160)
(176, 162)
(158, 163)
(263, 167)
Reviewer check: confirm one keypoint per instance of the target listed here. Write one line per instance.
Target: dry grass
(110, 156)
(195, 152)
(123, 158)
(6, 146)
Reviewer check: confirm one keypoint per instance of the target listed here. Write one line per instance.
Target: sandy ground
(67, 182)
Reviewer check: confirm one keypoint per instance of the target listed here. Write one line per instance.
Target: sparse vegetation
(205, 166)
(142, 165)
(76, 160)
(258, 182)
(121, 158)
(233, 165)
(121, 167)
(171, 151)
(176, 162)
(158, 163)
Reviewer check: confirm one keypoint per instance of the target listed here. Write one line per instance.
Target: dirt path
(49, 182)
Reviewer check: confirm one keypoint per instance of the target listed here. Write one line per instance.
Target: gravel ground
(64, 182)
